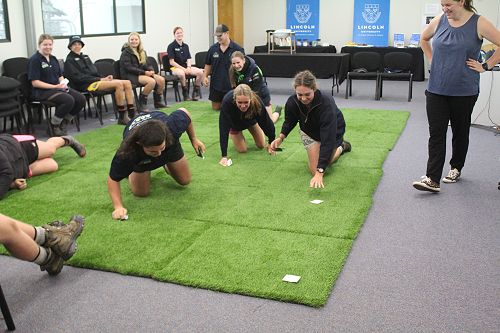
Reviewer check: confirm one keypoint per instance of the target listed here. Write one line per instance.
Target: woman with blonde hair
(134, 67)
(242, 109)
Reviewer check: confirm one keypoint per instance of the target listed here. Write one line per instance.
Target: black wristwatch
(320, 170)
(485, 66)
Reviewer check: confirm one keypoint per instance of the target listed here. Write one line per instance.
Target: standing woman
(242, 109)
(180, 60)
(322, 126)
(151, 141)
(46, 78)
(83, 75)
(134, 67)
(453, 84)
(244, 70)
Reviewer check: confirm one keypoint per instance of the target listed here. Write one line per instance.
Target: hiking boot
(346, 147)
(55, 130)
(64, 126)
(185, 94)
(143, 104)
(157, 101)
(54, 263)
(62, 239)
(427, 184)
(196, 93)
(77, 146)
(452, 177)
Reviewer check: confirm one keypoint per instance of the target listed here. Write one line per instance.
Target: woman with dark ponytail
(151, 140)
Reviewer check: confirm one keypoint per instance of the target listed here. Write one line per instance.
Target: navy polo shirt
(180, 53)
(177, 122)
(220, 62)
(41, 69)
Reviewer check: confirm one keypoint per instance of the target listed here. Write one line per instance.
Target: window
(4, 22)
(62, 18)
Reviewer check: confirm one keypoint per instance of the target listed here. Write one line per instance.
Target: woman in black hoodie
(322, 126)
(134, 67)
(244, 70)
(83, 76)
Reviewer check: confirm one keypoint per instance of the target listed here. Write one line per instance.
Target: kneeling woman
(151, 141)
(322, 125)
(242, 109)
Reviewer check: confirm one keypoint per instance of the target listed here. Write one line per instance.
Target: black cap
(221, 28)
(74, 39)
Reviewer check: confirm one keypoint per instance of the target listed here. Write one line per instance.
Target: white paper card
(291, 278)
(316, 202)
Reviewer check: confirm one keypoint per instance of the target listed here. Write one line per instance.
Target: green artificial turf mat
(238, 229)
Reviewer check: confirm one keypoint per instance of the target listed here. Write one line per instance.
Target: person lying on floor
(322, 126)
(242, 109)
(48, 246)
(151, 141)
(23, 156)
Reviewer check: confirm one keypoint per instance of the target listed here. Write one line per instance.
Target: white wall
(192, 15)
(161, 17)
(336, 18)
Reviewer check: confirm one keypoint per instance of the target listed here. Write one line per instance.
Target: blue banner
(371, 22)
(302, 17)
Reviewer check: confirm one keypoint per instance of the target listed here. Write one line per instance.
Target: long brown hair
(468, 5)
(232, 72)
(255, 107)
(148, 134)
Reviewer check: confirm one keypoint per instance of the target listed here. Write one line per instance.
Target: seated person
(244, 70)
(151, 141)
(322, 126)
(22, 156)
(48, 246)
(242, 109)
(180, 60)
(134, 67)
(83, 76)
(48, 85)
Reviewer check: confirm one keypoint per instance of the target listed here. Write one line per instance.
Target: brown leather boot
(185, 94)
(143, 104)
(158, 103)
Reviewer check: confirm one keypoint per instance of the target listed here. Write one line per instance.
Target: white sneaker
(452, 177)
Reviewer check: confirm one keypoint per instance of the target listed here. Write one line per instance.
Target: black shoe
(346, 147)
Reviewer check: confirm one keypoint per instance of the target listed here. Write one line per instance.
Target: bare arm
(427, 34)
(487, 30)
(206, 72)
(197, 144)
(115, 194)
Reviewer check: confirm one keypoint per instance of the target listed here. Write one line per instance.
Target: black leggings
(440, 110)
(70, 102)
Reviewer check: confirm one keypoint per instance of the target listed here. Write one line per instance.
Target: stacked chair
(5, 312)
(10, 103)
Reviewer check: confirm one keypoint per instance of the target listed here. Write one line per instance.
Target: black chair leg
(6, 312)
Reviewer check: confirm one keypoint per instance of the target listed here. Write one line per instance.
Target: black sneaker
(427, 184)
(77, 146)
(346, 147)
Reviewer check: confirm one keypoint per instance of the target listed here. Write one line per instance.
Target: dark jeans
(70, 102)
(441, 109)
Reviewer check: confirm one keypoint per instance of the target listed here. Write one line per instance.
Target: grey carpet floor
(421, 263)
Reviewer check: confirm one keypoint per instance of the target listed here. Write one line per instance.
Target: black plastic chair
(397, 67)
(165, 66)
(6, 312)
(365, 66)
(199, 59)
(168, 79)
(105, 68)
(14, 66)
(10, 105)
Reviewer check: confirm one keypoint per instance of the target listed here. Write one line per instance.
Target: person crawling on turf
(151, 141)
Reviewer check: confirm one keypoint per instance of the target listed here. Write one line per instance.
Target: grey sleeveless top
(451, 47)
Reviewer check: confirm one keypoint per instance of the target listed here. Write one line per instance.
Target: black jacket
(130, 68)
(321, 122)
(80, 71)
(13, 162)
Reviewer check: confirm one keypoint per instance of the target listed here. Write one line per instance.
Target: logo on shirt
(216, 55)
(139, 121)
(45, 65)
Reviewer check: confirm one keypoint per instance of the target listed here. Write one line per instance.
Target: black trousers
(440, 110)
(67, 102)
